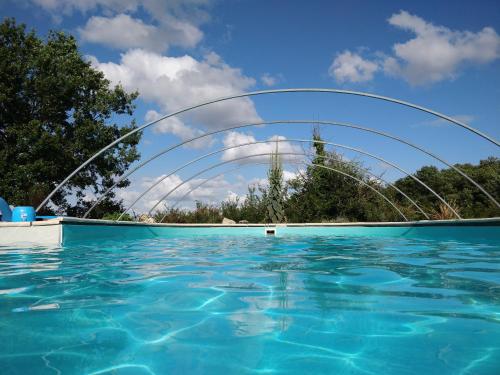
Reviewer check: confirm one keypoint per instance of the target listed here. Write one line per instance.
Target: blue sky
(442, 55)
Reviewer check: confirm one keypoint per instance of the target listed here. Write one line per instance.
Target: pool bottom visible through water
(252, 305)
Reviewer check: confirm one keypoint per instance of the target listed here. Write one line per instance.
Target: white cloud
(177, 82)
(175, 126)
(234, 138)
(185, 9)
(351, 67)
(164, 187)
(213, 191)
(468, 119)
(287, 176)
(257, 182)
(128, 196)
(69, 6)
(464, 118)
(270, 80)
(290, 175)
(176, 22)
(437, 52)
(122, 32)
(233, 197)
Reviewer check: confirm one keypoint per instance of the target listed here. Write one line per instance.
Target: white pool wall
(65, 231)
(48, 232)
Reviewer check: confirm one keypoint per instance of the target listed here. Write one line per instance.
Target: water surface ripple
(252, 305)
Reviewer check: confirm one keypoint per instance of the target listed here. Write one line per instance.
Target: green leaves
(276, 192)
(322, 195)
(472, 203)
(55, 112)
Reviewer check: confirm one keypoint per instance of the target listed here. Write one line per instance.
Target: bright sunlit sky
(444, 55)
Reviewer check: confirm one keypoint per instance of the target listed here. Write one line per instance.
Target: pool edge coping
(53, 231)
(495, 221)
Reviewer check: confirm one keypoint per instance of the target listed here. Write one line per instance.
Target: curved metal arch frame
(284, 140)
(284, 122)
(364, 183)
(290, 140)
(284, 153)
(392, 186)
(177, 201)
(266, 92)
(363, 169)
(217, 175)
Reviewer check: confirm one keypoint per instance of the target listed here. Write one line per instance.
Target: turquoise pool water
(252, 305)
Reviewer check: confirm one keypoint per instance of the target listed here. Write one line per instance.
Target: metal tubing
(397, 189)
(177, 201)
(267, 141)
(363, 169)
(364, 183)
(284, 122)
(284, 140)
(284, 153)
(265, 92)
(318, 165)
(308, 141)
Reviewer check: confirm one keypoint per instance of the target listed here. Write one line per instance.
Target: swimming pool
(249, 304)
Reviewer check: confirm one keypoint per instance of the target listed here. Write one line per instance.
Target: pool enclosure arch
(277, 91)
(285, 140)
(269, 154)
(213, 177)
(302, 163)
(285, 122)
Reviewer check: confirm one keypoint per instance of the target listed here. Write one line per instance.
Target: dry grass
(443, 212)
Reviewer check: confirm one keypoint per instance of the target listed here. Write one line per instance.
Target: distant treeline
(321, 195)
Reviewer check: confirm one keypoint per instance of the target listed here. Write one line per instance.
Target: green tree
(276, 192)
(320, 194)
(55, 112)
(203, 213)
(230, 208)
(470, 201)
(253, 208)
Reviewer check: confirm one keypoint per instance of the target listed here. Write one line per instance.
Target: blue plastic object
(6, 213)
(23, 213)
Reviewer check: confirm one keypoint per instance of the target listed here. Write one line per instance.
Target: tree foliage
(320, 194)
(275, 212)
(453, 187)
(56, 111)
(203, 214)
(251, 209)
